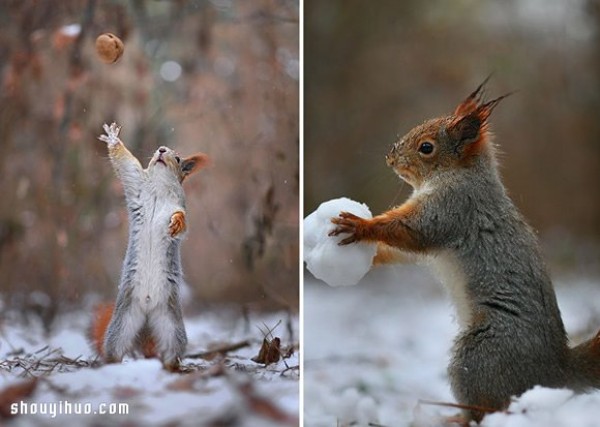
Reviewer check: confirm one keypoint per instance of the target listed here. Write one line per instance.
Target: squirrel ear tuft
(193, 164)
(471, 115)
(484, 110)
(472, 101)
(475, 103)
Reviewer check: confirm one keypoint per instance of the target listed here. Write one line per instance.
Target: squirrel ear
(193, 164)
(466, 129)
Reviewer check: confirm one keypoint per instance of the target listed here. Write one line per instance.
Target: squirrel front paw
(348, 223)
(177, 223)
(112, 134)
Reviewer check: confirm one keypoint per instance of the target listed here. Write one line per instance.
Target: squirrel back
(462, 221)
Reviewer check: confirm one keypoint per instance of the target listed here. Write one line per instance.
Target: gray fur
(512, 336)
(516, 338)
(148, 300)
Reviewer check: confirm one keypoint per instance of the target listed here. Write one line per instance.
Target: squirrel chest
(450, 273)
(152, 253)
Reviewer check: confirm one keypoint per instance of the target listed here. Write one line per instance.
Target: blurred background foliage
(373, 70)
(217, 76)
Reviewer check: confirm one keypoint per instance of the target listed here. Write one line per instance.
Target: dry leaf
(264, 407)
(15, 393)
(125, 392)
(188, 382)
(218, 350)
(270, 352)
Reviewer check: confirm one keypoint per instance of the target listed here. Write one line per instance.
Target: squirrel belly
(153, 255)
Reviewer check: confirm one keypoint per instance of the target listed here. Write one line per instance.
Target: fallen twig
(210, 354)
(460, 406)
(35, 366)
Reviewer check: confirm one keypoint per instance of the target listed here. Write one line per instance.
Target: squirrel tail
(97, 330)
(585, 364)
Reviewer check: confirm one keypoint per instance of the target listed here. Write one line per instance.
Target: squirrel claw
(342, 227)
(346, 223)
(348, 215)
(177, 223)
(112, 134)
(348, 240)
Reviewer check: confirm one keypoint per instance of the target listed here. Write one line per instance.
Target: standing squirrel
(462, 220)
(147, 315)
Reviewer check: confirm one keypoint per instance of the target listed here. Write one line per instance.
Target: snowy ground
(375, 350)
(233, 391)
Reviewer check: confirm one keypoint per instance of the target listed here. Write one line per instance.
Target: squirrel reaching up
(147, 315)
(462, 220)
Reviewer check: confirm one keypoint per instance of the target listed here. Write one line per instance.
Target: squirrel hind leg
(169, 332)
(122, 333)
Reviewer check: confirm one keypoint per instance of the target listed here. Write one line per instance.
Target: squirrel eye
(426, 148)
(178, 159)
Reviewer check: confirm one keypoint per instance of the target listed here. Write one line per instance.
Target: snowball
(325, 259)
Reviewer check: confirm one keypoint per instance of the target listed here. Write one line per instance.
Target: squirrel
(460, 219)
(147, 314)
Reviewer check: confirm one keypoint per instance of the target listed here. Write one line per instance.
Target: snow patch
(540, 407)
(374, 352)
(154, 396)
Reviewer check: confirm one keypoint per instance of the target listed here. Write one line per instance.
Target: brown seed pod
(109, 48)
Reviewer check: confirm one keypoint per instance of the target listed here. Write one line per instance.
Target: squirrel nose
(162, 150)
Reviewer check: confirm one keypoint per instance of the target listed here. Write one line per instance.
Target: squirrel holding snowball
(147, 314)
(461, 218)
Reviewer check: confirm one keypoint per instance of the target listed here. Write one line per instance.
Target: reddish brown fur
(177, 224)
(387, 228)
(197, 161)
(470, 104)
(387, 254)
(478, 147)
(97, 331)
(148, 346)
(474, 107)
